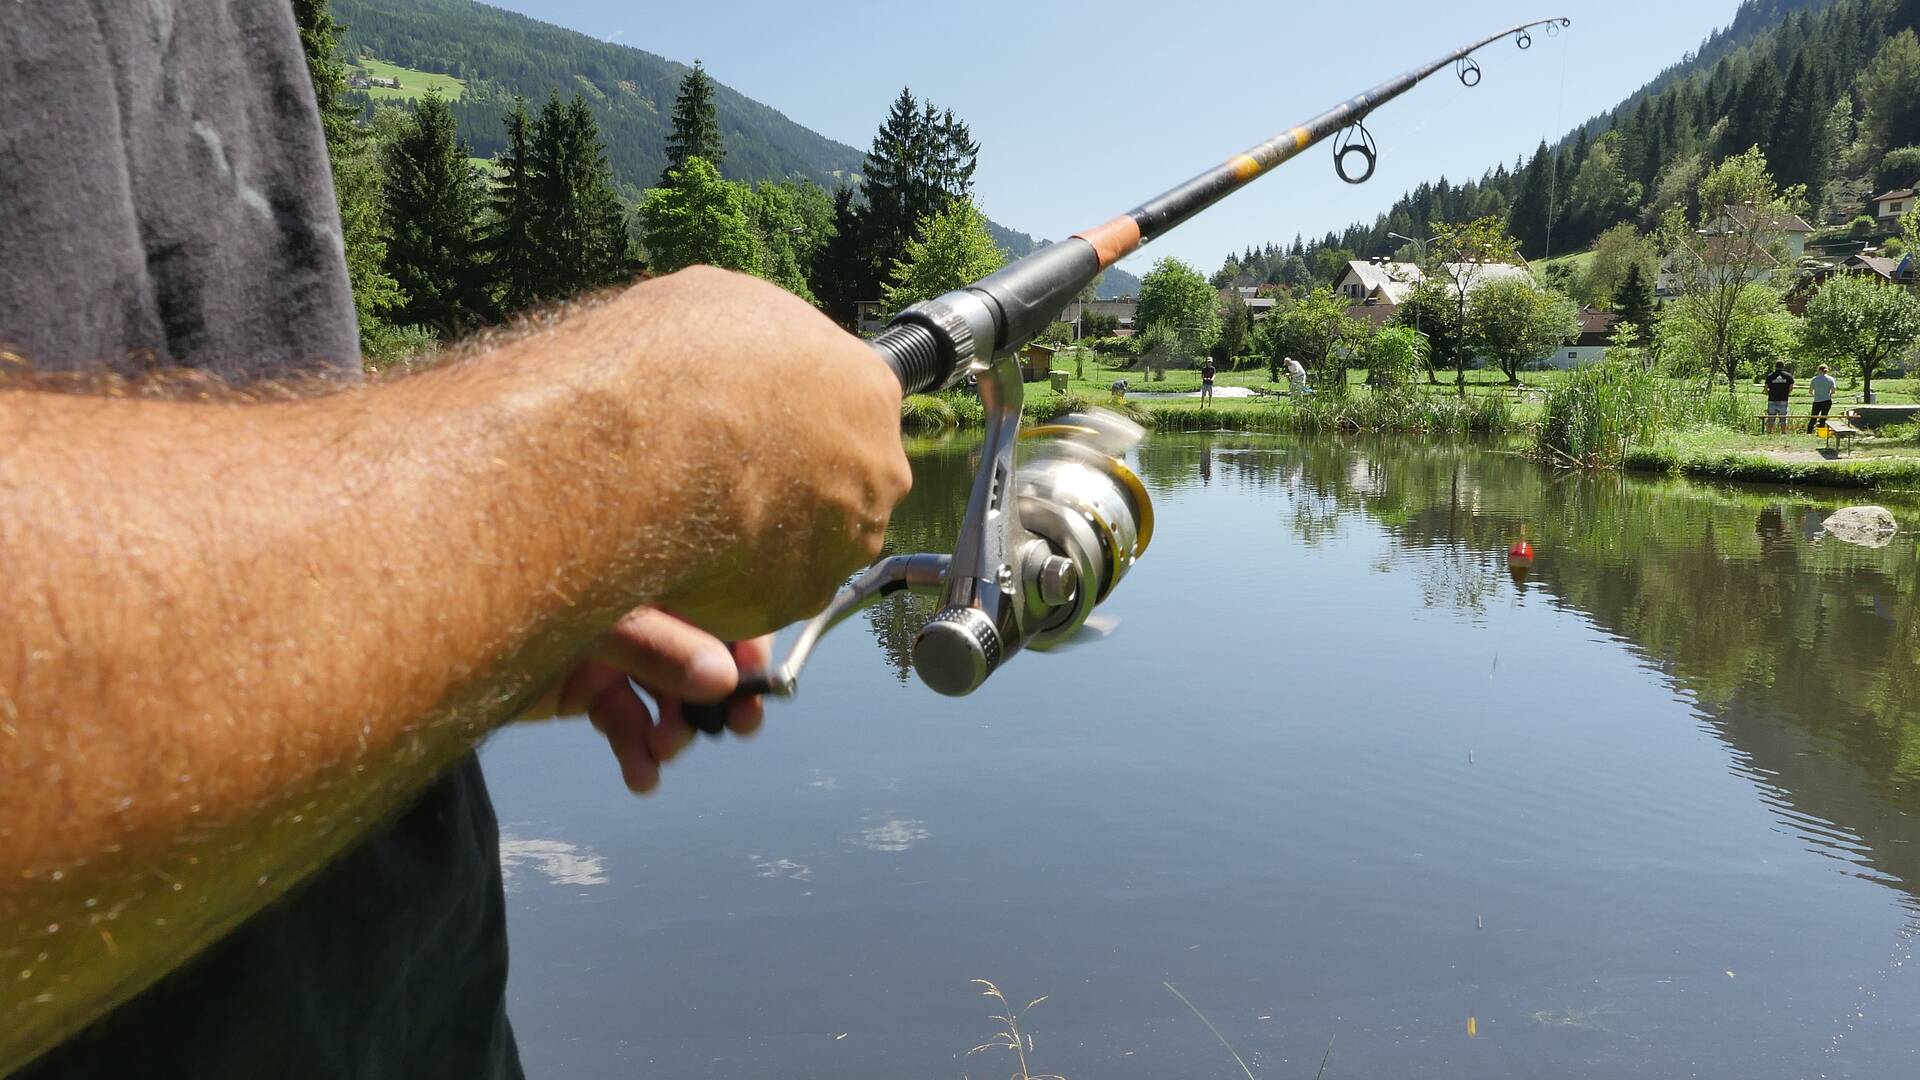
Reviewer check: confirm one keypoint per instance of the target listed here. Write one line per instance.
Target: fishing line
(1559, 118)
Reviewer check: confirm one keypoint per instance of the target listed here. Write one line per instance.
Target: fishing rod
(1041, 547)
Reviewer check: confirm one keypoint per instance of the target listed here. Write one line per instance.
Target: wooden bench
(1837, 433)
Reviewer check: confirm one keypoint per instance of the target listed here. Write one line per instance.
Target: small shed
(1036, 360)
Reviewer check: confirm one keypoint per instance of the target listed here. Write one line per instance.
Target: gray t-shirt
(1823, 387)
(165, 200)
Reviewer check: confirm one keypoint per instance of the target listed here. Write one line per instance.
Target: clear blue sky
(1084, 110)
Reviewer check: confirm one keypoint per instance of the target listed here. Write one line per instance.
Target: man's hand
(802, 424)
(676, 663)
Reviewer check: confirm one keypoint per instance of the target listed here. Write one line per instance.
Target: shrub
(1898, 168)
(926, 412)
(1863, 225)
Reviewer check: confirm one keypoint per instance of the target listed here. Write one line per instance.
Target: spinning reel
(1034, 557)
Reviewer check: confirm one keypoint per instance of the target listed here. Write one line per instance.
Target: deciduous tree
(699, 219)
(1618, 250)
(1722, 260)
(1175, 295)
(1514, 323)
(1466, 253)
(1693, 340)
(952, 249)
(1859, 324)
(1432, 310)
(1315, 330)
(1889, 88)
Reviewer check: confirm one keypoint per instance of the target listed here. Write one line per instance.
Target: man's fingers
(626, 722)
(583, 685)
(669, 656)
(744, 715)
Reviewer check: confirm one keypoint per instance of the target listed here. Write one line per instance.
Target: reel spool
(1082, 505)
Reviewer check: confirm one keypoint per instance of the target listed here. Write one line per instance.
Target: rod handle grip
(913, 352)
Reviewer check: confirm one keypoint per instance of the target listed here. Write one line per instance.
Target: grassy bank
(1890, 462)
(1489, 405)
(1665, 425)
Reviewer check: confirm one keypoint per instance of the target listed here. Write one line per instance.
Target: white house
(1596, 327)
(1360, 279)
(1792, 229)
(1707, 248)
(1890, 206)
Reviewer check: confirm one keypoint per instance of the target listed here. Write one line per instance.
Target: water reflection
(1341, 771)
(1802, 651)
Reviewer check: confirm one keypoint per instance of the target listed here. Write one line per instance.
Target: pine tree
(1798, 138)
(696, 127)
(356, 174)
(922, 159)
(1633, 299)
(433, 203)
(839, 272)
(578, 222)
(510, 243)
(1752, 109)
(1532, 202)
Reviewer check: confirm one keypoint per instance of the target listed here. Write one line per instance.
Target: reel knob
(956, 651)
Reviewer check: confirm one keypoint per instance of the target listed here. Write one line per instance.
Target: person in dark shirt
(1206, 380)
(1779, 383)
(255, 631)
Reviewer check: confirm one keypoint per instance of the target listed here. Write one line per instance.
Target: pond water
(1337, 777)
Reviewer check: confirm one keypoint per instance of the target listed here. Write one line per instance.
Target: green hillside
(491, 55)
(413, 83)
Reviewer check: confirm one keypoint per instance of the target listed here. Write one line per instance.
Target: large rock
(1868, 526)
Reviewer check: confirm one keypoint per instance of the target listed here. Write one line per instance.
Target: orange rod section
(1114, 240)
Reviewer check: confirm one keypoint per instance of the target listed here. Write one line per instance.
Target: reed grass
(1010, 1037)
(1599, 412)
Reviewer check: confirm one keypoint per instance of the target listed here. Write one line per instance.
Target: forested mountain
(1825, 88)
(501, 54)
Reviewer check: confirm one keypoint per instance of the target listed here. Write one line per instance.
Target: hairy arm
(242, 633)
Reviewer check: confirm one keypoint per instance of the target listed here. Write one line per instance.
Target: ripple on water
(892, 834)
(559, 862)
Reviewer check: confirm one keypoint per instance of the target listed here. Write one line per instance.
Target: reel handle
(711, 719)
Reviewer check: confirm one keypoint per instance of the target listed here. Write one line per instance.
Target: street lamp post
(1431, 377)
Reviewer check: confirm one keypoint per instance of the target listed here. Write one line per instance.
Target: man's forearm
(241, 633)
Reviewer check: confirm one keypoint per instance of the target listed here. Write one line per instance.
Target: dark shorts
(392, 963)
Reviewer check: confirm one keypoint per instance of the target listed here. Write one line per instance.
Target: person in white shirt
(1296, 375)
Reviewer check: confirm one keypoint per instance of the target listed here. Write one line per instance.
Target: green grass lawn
(1577, 262)
(413, 82)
